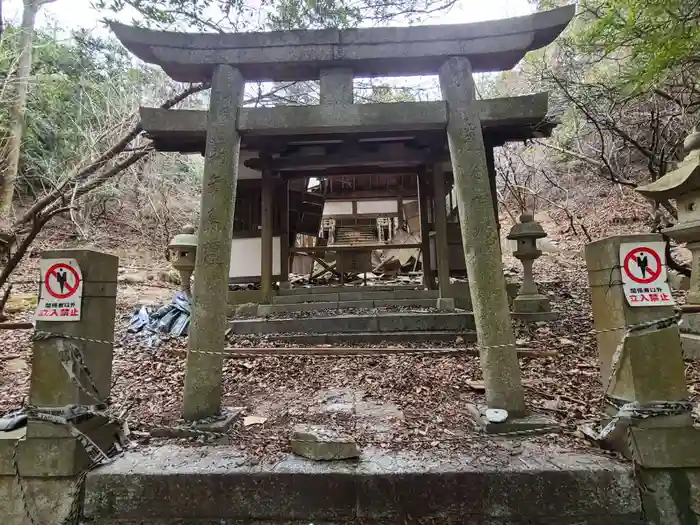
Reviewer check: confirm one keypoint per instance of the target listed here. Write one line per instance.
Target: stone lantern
(683, 185)
(183, 249)
(529, 304)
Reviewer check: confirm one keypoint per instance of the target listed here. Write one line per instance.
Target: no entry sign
(644, 277)
(61, 290)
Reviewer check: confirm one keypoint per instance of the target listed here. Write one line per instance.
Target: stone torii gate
(334, 57)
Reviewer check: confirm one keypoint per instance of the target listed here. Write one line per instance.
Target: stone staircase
(358, 315)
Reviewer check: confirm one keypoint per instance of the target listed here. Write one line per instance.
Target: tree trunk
(17, 112)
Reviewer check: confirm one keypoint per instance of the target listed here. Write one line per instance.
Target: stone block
(38, 457)
(168, 483)
(246, 310)
(322, 444)
(538, 487)
(672, 495)
(691, 346)
(405, 303)
(575, 494)
(353, 295)
(305, 298)
(369, 338)
(48, 500)
(367, 304)
(531, 424)
(335, 324)
(530, 304)
(671, 447)
(236, 297)
(537, 317)
(269, 309)
(445, 303)
(414, 294)
(425, 322)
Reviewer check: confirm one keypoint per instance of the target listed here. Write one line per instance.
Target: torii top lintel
(495, 45)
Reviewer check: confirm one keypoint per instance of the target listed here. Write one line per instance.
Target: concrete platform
(171, 485)
(268, 309)
(379, 322)
(369, 338)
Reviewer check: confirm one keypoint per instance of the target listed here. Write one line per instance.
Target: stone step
(373, 338)
(270, 309)
(173, 484)
(306, 290)
(380, 322)
(357, 295)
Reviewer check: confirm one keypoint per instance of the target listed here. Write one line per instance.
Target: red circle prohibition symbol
(52, 272)
(653, 275)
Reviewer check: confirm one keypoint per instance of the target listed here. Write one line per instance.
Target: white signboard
(61, 291)
(644, 277)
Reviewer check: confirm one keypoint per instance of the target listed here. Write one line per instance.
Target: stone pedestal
(203, 376)
(48, 457)
(482, 252)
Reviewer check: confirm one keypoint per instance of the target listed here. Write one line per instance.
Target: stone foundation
(168, 485)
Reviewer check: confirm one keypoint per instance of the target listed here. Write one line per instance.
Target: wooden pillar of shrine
(284, 235)
(266, 225)
(442, 252)
(424, 206)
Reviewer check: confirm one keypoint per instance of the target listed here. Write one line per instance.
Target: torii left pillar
(482, 251)
(204, 370)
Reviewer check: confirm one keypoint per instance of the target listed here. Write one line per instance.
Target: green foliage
(76, 87)
(656, 36)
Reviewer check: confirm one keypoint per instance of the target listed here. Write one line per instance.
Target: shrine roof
(495, 45)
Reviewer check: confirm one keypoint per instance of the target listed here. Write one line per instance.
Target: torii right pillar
(482, 253)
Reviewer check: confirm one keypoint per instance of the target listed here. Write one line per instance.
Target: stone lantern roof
(682, 180)
(527, 228)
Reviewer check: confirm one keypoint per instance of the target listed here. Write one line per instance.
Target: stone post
(649, 371)
(50, 459)
(423, 204)
(336, 86)
(654, 370)
(530, 304)
(284, 235)
(442, 252)
(266, 218)
(482, 252)
(203, 375)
